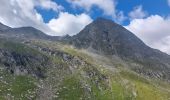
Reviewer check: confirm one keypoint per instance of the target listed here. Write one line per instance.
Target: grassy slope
(16, 87)
(17, 47)
(127, 85)
(121, 84)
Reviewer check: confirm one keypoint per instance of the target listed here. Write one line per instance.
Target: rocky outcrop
(23, 64)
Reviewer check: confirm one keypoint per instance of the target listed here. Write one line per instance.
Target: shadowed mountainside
(108, 38)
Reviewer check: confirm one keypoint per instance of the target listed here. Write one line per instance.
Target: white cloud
(169, 3)
(153, 30)
(69, 24)
(48, 4)
(107, 6)
(120, 17)
(137, 13)
(19, 13)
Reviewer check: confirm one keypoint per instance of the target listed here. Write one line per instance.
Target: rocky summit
(104, 61)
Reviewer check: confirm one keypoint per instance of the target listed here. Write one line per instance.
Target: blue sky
(159, 7)
(147, 19)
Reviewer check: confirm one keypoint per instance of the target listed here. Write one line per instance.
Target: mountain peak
(110, 38)
(102, 19)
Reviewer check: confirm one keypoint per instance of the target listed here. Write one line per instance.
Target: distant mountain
(25, 33)
(3, 27)
(109, 38)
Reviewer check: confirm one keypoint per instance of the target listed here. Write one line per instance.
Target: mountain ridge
(25, 33)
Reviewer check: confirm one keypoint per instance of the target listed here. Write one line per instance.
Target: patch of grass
(133, 76)
(77, 53)
(149, 92)
(71, 89)
(18, 48)
(22, 84)
(17, 87)
(120, 92)
(146, 89)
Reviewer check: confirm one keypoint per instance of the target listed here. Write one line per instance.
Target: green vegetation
(121, 84)
(71, 89)
(17, 47)
(16, 87)
(146, 89)
(94, 80)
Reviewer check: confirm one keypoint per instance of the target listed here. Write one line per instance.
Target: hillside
(103, 62)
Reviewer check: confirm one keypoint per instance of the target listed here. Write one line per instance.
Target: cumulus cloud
(153, 30)
(137, 13)
(19, 13)
(120, 17)
(107, 6)
(48, 4)
(69, 24)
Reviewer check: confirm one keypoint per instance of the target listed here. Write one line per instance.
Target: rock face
(22, 60)
(109, 38)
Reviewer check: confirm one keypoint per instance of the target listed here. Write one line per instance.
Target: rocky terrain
(103, 62)
(108, 38)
